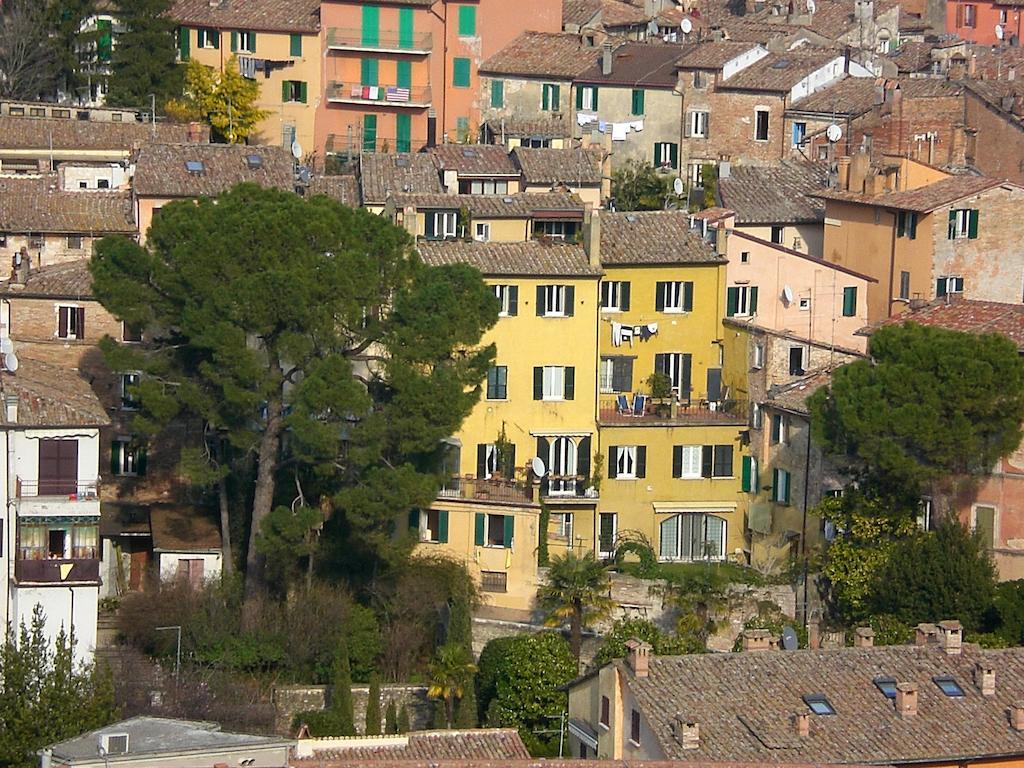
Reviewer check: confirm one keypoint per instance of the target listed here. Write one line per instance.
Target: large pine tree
(144, 60)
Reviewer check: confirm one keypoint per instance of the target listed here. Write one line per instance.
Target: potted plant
(660, 387)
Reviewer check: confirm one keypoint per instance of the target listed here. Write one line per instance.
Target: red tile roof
(548, 55)
(257, 15)
(474, 159)
(923, 199)
(967, 316)
(651, 65)
(485, 744)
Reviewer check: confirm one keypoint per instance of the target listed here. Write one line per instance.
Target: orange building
(402, 74)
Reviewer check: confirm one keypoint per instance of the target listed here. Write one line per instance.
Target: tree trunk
(262, 503)
(576, 633)
(228, 564)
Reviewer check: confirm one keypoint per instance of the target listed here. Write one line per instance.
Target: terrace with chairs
(642, 411)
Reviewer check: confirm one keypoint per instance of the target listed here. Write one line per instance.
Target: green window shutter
(638, 101)
(369, 71)
(688, 296)
(371, 25)
(788, 479)
(747, 485)
(556, 98)
(849, 301)
(912, 231)
(732, 301)
(545, 98)
(538, 383)
(403, 133)
(497, 94)
(677, 461)
(286, 91)
(369, 133)
(303, 92)
(467, 21)
(513, 300)
(570, 382)
(660, 288)
(403, 74)
(105, 42)
(540, 304)
(972, 225)
(510, 531)
(595, 89)
(776, 487)
(753, 300)
(624, 295)
(579, 97)
(234, 41)
(460, 72)
(442, 526)
(252, 41)
(115, 457)
(641, 461)
(215, 38)
(613, 461)
(951, 230)
(140, 461)
(481, 520)
(657, 154)
(295, 45)
(183, 42)
(570, 301)
(405, 28)
(673, 155)
(940, 287)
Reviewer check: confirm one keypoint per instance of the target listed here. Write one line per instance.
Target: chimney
(813, 628)
(11, 409)
(863, 637)
(846, 60)
(686, 732)
(802, 724)
(859, 166)
(972, 65)
(757, 640)
(873, 184)
(197, 134)
(592, 236)
(906, 699)
(951, 636)
(21, 266)
(1017, 717)
(638, 657)
(721, 239)
(606, 59)
(924, 634)
(410, 220)
(985, 678)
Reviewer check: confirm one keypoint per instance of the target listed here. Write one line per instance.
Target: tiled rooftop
(182, 529)
(913, 56)
(37, 204)
(851, 96)
(195, 170)
(474, 159)
(551, 55)
(257, 15)
(51, 396)
(775, 194)
(969, 317)
(579, 12)
(523, 258)
(518, 206)
(542, 128)
(344, 189)
(558, 166)
(922, 199)
(38, 132)
(615, 13)
(485, 744)
(779, 72)
(652, 237)
(70, 280)
(649, 65)
(793, 396)
(399, 173)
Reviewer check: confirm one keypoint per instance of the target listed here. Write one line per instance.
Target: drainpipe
(892, 269)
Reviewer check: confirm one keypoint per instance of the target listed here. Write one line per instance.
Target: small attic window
(470, 153)
(818, 704)
(781, 64)
(949, 686)
(255, 162)
(194, 166)
(887, 686)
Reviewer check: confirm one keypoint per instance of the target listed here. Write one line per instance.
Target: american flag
(397, 94)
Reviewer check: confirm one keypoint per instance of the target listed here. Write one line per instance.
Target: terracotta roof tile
(177, 529)
(555, 127)
(51, 396)
(557, 166)
(745, 722)
(615, 13)
(922, 199)
(37, 204)
(913, 56)
(793, 396)
(780, 71)
(969, 317)
(851, 96)
(388, 174)
(775, 194)
(485, 744)
(651, 65)
(549, 55)
(474, 159)
(519, 206)
(257, 15)
(37, 133)
(579, 12)
(652, 237)
(532, 257)
(535, 763)
(344, 189)
(161, 169)
(70, 280)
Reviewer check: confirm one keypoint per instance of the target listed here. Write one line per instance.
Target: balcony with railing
(670, 412)
(470, 488)
(567, 488)
(57, 496)
(415, 97)
(57, 571)
(384, 41)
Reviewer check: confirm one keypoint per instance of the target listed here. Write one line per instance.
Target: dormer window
(440, 225)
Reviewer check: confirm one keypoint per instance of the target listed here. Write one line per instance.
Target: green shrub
(664, 644)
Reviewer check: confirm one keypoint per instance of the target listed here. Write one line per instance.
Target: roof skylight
(819, 704)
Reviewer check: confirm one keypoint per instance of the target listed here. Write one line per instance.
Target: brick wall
(998, 146)
(731, 130)
(35, 319)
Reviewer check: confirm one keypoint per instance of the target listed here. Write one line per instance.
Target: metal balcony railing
(339, 38)
(474, 488)
(384, 95)
(73, 488)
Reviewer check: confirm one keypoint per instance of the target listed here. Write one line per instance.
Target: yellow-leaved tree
(225, 100)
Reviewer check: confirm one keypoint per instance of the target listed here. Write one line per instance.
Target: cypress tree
(403, 720)
(391, 718)
(341, 692)
(145, 58)
(373, 707)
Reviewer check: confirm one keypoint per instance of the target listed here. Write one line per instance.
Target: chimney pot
(951, 635)
(843, 170)
(906, 699)
(592, 236)
(606, 59)
(813, 628)
(924, 634)
(11, 409)
(638, 657)
(863, 637)
(1017, 716)
(985, 678)
(802, 723)
(686, 732)
(757, 640)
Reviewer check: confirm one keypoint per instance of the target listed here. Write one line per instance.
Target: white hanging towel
(616, 334)
(637, 125)
(620, 131)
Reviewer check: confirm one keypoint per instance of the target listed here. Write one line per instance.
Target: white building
(50, 438)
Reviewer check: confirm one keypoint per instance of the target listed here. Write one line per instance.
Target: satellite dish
(999, 31)
(6, 345)
(787, 294)
(304, 175)
(10, 362)
(296, 150)
(790, 641)
(686, 26)
(677, 186)
(537, 465)
(834, 133)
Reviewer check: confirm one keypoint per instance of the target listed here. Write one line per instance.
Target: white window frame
(695, 173)
(204, 39)
(675, 370)
(128, 457)
(744, 293)
(783, 429)
(625, 462)
(555, 230)
(501, 290)
(245, 42)
(568, 448)
(803, 133)
(554, 300)
(767, 124)
(756, 416)
(73, 333)
(554, 383)
(691, 463)
(587, 97)
(563, 524)
(674, 296)
(488, 187)
(615, 533)
(606, 374)
(126, 382)
(758, 356)
(970, 15)
(951, 283)
(698, 120)
(611, 295)
(785, 488)
(482, 231)
(446, 224)
(961, 222)
(677, 546)
(804, 304)
(548, 89)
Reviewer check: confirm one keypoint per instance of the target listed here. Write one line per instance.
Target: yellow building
(277, 44)
(673, 466)
(531, 438)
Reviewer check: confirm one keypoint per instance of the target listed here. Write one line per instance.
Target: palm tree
(450, 673)
(577, 589)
